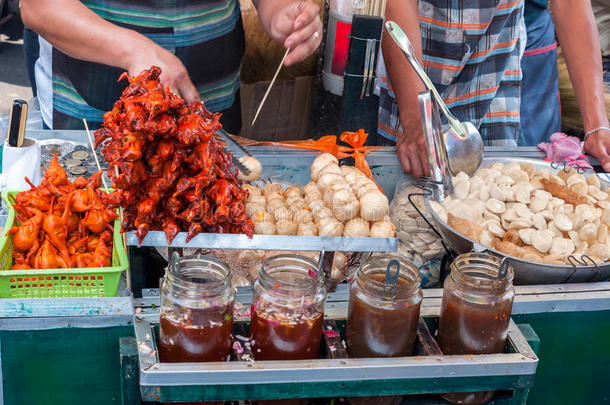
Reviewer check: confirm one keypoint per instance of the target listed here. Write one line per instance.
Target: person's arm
(77, 31)
(406, 85)
(579, 40)
(294, 23)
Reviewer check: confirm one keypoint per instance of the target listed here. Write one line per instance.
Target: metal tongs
(462, 140)
(233, 145)
(437, 154)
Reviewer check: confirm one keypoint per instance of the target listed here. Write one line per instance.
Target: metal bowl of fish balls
(576, 269)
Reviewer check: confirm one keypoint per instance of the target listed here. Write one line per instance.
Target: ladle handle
(392, 272)
(401, 39)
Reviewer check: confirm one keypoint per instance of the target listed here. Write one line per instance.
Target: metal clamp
(428, 186)
(584, 260)
(567, 167)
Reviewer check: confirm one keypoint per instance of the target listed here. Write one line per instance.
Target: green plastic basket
(58, 283)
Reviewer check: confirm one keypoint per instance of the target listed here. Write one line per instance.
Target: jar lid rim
(408, 270)
(211, 262)
(313, 272)
(486, 267)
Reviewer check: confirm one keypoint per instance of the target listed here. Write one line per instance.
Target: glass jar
(382, 319)
(475, 312)
(196, 310)
(287, 309)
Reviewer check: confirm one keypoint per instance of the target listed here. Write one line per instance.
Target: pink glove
(563, 148)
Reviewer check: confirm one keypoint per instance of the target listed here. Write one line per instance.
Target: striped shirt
(471, 51)
(206, 35)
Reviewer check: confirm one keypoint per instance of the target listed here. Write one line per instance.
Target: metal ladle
(462, 140)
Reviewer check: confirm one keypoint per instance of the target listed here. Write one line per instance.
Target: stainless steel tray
(268, 242)
(520, 361)
(526, 272)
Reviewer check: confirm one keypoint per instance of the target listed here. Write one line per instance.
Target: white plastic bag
(18, 163)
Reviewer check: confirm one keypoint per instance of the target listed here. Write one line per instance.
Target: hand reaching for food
(173, 72)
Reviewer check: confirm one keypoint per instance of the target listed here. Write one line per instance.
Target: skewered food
(63, 224)
(170, 171)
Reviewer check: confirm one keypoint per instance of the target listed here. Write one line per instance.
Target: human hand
(412, 152)
(598, 145)
(298, 26)
(173, 72)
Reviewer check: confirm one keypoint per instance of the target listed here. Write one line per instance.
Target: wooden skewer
(260, 106)
(97, 162)
(116, 170)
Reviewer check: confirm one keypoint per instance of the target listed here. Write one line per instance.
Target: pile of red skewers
(169, 169)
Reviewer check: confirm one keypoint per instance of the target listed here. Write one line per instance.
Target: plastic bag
(418, 241)
(328, 143)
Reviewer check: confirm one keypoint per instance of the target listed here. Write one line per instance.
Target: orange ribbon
(328, 144)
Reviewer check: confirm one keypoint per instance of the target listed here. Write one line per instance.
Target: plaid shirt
(206, 35)
(472, 52)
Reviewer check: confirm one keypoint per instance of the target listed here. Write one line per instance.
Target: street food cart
(103, 349)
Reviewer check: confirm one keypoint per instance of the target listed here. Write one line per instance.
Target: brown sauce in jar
(475, 313)
(473, 328)
(202, 335)
(281, 336)
(378, 330)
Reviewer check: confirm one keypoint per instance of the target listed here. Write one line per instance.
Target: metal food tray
(268, 242)
(159, 382)
(234, 241)
(526, 272)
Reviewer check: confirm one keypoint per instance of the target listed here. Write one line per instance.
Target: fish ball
(356, 227)
(253, 164)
